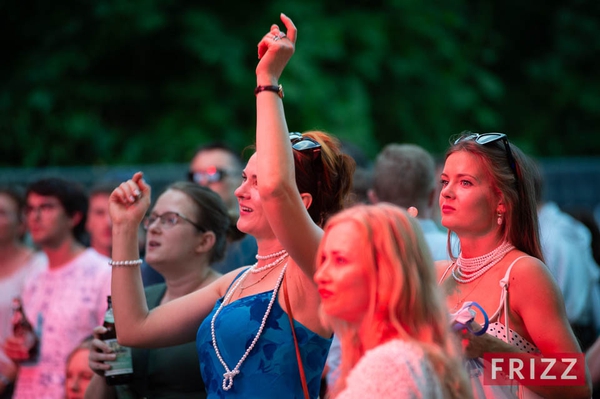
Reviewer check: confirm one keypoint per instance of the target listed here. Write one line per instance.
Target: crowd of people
(277, 277)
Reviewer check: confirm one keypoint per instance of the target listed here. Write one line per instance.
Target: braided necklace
(229, 375)
(467, 270)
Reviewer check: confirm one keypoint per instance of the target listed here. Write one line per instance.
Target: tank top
(271, 369)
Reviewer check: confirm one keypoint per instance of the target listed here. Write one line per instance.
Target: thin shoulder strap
(445, 272)
(504, 297)
(298, 356)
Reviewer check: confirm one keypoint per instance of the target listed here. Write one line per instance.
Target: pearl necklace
(256, 269)
(467, 270)
(229, 375)
(270, 256)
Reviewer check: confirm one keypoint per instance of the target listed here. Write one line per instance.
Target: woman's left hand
(274, 51)
(474, 346)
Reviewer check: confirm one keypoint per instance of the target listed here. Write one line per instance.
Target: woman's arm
(171, 324)
(282, 203)
(536, 301)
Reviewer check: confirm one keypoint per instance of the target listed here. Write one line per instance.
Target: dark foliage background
(112, 82)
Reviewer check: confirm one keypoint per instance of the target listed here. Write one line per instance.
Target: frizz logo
(557, 369)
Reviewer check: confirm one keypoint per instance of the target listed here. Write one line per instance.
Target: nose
(446, 191)
(241, 191)
(75, 384)
(321, 275)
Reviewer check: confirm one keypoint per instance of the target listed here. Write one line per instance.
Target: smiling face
(166, 246)
(252, 219)
(468, 201)
(341, 275)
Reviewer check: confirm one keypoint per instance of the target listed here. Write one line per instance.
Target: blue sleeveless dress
(271, 369)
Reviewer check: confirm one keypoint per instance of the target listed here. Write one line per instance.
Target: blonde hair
(405, 300)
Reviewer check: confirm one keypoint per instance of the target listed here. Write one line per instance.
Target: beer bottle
(22, 327)
(121, 371)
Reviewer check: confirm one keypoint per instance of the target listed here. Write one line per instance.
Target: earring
(499, 219)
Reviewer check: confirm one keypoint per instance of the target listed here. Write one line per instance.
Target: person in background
(567, 250)
(98, 224)
(79, 373)
(378, 290)
(186, 232)
(261, 324)
(17, 262)
(488, 200)
(66, 300)
(404, 175)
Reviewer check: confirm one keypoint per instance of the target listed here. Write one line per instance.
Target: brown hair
(211, 214)
(515, 186)
(328, 178)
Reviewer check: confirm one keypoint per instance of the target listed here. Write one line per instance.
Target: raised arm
(173, 323)
(282, 202)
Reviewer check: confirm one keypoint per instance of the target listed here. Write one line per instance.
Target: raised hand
(129, 202)
(274, 51)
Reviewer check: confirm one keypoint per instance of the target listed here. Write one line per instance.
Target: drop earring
(499, 219)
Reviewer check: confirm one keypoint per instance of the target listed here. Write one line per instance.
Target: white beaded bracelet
(136, 262)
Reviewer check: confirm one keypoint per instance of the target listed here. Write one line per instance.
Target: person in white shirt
(64, 301)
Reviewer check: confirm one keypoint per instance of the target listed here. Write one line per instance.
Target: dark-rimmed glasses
(168, 220)
(486, 138)
(303, 144)
(210, 175)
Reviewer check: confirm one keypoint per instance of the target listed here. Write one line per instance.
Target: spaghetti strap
(504, 297)
(445, 272)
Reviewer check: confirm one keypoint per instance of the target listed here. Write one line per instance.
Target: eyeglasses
(210, 175)
(43, 208)
(168, 220)
(486, 138)
(302, 144)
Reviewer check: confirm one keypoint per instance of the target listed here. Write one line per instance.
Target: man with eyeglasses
(65, 300)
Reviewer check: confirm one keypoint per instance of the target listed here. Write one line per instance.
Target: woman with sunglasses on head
(487, 200)
(186, 233)
(291, 185)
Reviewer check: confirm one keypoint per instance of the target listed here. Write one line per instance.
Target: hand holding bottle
(22, 345)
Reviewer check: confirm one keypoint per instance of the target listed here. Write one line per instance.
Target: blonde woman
(378, 290)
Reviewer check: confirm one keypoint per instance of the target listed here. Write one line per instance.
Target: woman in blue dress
(291, 185)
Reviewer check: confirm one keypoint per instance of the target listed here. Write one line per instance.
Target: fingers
(99, 330)
(290, 28)
(133, 189)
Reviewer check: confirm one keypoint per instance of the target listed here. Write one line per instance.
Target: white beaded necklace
(467, 270)
(230, 374)
(269, 256)
(256, 269)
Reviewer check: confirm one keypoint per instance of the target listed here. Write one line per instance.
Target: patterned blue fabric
(271, 369)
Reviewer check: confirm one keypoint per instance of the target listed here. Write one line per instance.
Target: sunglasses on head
(303, 144)
(210, 175)
(487, 138)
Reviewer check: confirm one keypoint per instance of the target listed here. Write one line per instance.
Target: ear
(207, 242)
(76, 219)
(306, 199)
(501, 208)
(373, 199)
